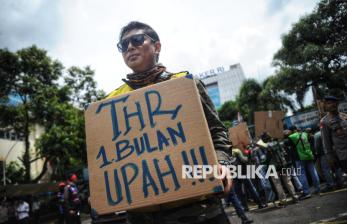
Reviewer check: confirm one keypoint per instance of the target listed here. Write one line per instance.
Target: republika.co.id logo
(233, 171)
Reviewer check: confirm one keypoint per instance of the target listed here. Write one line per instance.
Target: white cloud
(196, 35)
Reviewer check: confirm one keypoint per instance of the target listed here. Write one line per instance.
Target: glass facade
(224, 85)
(213, 92)
(14, 99)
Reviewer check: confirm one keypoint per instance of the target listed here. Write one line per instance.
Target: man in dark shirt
(334, 132)
(140, 47)
(72, 201)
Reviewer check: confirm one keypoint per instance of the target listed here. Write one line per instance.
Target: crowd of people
(140, 47)
(69, 201)
(26, 209)
(301, 157)
(15, 211)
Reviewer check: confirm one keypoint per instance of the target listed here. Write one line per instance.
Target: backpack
(304, 148)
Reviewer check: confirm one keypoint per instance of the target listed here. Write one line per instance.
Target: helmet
(73, 177)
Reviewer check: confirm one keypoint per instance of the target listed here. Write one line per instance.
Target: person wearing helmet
(72, 201)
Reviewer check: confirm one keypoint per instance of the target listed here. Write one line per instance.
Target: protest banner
(303, 120)
(270, 122)
(137, 143)
(239, 135)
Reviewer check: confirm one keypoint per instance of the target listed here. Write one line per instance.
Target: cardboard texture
(239, 135)
(138, 142)
(269, 121)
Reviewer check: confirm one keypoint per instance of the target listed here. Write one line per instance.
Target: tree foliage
(228, 111)
(31, 78)
(248, 98)
(255, 96)
(314, 53)
(82, 86)
(14, 172)
(313, 56)
(272, 98)
(31, 94)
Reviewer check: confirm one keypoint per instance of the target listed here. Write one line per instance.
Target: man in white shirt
(22, 211)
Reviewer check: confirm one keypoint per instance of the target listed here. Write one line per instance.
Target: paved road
(328, 208)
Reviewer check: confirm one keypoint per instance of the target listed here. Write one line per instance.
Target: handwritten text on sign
(141, 140)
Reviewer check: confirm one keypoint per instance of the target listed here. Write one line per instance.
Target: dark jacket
(276, 155)
(71, 198)
(334, 135)
(291, 153)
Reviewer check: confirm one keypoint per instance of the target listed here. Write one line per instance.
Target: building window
(213, 92)
(10, 135)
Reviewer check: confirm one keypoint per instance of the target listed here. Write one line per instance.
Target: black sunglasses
(135, 40)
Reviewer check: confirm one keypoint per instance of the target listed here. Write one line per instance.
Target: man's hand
(227, 182)
(72, 212)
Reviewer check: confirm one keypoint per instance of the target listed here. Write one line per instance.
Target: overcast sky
(196, 35)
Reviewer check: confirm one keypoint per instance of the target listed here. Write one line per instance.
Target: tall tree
(30, 76)
(254, 96)
(314, 53)
(63, 144)
(248, 99)
(82, 85)
(272, 98)
(228, 111)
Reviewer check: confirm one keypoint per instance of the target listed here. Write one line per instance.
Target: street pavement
(328, 208)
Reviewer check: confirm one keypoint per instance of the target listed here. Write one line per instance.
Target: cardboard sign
(239, 135)
(270, 122)
(137, 143)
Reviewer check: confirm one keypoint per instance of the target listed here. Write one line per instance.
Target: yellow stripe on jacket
(125, 88)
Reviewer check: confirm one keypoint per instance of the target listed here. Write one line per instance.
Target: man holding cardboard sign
(140, 47)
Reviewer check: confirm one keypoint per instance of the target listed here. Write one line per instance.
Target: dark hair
(265, 136)
(133, 25)
(141, 26)
(293, 128)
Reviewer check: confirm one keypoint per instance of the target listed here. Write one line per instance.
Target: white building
(223, 85)
(12, 148)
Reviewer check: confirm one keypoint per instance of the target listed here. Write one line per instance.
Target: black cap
(331, 98)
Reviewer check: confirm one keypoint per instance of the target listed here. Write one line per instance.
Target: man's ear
(157, 46)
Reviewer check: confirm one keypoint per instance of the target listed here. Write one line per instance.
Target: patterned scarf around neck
(142, 79)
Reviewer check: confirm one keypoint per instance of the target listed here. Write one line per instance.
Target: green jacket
(302, 145)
